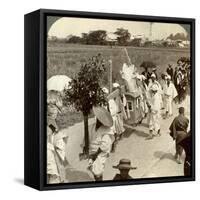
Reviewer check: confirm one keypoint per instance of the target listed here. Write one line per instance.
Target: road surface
(153, 158)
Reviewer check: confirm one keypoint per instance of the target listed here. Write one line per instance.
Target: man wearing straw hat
(124, 167)
(154, 112)
(101, 139)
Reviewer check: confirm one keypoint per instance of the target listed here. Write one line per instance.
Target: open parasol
(58, 83)
(148, 64)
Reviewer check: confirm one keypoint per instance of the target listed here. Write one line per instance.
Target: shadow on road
(129, 131)
(163, 155)
(73, 175)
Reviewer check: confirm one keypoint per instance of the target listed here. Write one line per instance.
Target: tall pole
(150, 31)
(110, 76)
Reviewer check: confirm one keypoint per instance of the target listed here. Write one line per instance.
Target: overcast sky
(66, 26)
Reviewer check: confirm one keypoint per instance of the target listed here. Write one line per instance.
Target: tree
(74, 39)
(85, 92)
(178, 36)
(97, 37)
(85, 38)
(123, 36)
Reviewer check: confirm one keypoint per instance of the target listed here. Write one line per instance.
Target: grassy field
(66, 59)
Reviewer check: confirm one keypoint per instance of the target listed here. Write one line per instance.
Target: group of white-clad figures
(108, 127)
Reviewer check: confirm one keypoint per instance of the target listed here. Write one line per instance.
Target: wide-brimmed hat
(124, 164)
(103, 116)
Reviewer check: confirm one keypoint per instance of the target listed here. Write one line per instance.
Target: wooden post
(86, 135)
(110, 76)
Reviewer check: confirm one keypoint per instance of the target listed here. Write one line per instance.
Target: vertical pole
(86, 134)
(110, 76)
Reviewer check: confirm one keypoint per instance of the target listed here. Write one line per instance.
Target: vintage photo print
(118, 100)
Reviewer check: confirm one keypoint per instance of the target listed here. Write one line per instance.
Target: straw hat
(124, 164)
(103, 116)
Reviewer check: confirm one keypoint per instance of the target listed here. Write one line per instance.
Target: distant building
(111, 38)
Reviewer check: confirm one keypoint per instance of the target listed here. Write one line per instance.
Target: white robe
(103, 139)
(154, 114)
(170, 93)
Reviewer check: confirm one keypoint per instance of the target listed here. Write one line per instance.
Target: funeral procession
(118, 100)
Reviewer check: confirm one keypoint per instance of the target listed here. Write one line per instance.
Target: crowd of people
(156, 94)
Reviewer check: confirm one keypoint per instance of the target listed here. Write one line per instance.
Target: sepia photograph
(118, 100)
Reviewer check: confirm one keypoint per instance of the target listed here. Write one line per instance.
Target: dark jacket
(180, 123)
(118, 177)
(170, 72)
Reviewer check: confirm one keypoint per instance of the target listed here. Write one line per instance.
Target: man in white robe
(154, 112)
(170, 93)
(101, 140)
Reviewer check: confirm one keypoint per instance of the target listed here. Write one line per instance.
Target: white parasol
(58, 83)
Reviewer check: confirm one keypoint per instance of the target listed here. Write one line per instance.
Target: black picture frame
(35, 97)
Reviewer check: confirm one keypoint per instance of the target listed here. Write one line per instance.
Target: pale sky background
(67, 25)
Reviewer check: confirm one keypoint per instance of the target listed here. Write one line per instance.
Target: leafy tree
(85, 92)
(74, 39)
(97, 37)
(85, 38)
(123, 36)
(178, 36)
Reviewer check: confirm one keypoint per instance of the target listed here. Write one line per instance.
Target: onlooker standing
(154, 72)
(170, 71)
(178, 130)
(186, 144)
(170, 93)
(124, 167)
(154, 112)
(147, 74)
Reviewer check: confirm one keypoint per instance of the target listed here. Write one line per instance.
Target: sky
(75, 26)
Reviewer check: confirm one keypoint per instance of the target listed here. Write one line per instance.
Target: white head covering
(105, 90)
(141, 77)
(116, 85)
(154, 87)
(168, 77)
(153, 75)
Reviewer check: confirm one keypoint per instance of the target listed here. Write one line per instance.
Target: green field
(66, 59)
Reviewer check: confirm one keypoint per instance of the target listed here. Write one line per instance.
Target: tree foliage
(178, 36)
(84, 89)
(123, 36)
